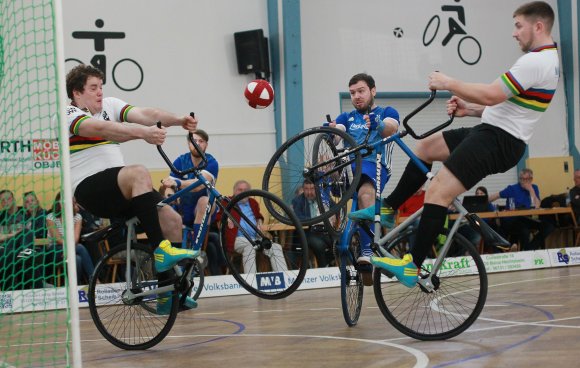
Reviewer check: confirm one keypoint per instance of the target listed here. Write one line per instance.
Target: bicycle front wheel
(351, 282)
(129, 323)
(269, 261)
(315, 155)
(460, 291)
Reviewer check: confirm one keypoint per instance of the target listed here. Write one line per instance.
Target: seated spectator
(35, 215)
(11, 216)
(236, 241)
(524, 195)
(575, 196)
(318, 239)
(18, 258)
(54, 221)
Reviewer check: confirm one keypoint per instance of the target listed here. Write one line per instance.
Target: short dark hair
(537, 10)
(77, 78)
(202, 133)
(362, 77)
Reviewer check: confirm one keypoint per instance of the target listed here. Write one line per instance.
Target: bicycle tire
(263, 273)
(450, 309)
(337, 185)
(285, 172)
(131, 325)
(351, 282)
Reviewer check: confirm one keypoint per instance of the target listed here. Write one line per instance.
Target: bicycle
(452, 287)
(125, 311)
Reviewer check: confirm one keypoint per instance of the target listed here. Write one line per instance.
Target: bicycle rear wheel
(454, 305)
(313, 155)
(268, 266)
(351, 282)
(128, 324)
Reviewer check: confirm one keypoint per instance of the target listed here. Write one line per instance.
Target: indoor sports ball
(259, 93)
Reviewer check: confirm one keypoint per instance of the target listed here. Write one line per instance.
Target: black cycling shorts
(481, 151)
(100, 195)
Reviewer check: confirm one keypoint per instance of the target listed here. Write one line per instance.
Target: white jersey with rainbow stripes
(90, 155)
(530, 85)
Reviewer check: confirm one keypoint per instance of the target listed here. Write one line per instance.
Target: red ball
(259, 93)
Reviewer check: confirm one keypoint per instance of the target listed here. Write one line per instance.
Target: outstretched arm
(475, 93)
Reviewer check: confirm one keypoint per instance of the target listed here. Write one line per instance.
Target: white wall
(187, 52)
(341, 38)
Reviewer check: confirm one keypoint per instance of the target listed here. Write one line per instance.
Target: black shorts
(481, 151)
(101, 196)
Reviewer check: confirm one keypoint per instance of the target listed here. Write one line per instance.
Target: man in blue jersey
(194, 204)
(509, 108)
(382, 122)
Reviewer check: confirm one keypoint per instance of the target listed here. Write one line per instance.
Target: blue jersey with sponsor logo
(356, 127)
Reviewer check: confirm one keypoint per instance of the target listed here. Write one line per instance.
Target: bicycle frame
(380, 242)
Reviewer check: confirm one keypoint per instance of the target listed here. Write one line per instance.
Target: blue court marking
(549, 316)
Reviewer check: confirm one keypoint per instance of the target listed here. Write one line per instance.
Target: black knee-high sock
(430, 226)
(413, 178)
(144, 207)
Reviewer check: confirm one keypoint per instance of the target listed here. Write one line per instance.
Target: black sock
(430, 226)
(144, 206)
(413, 178)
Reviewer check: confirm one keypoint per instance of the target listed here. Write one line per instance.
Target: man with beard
(509, 109)
(382, 122)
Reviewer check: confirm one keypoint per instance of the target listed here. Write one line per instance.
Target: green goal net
(35, 303)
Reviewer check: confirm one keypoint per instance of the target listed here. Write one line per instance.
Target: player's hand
(439, 81)
(189, 123)
(332, 124)
(168, 182)
(155, 135)
(457, 107)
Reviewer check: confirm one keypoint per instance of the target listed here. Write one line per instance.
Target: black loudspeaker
(252, 52)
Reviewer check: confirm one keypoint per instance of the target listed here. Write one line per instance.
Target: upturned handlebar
(182, 173)
(418, 109)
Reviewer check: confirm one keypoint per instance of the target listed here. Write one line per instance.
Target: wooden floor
(531, 319)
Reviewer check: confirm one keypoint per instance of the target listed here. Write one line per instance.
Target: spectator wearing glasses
(524, 195)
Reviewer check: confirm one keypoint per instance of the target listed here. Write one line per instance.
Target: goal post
(39, 318)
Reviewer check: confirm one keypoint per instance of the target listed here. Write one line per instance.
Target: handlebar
(182, 173)
(414, 112)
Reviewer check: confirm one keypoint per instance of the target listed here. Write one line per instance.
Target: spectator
(35, 215)
(318, 239)
(54, 222)
(575, 196)
(236, 241)
(524, 195)
(11, 216)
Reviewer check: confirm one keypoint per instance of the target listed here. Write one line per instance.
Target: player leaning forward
(102, 183)
(509, 108)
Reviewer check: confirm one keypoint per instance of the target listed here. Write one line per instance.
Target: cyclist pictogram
(131, 71)
(468, 48)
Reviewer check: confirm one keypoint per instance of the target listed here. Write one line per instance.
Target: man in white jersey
(509, 108)
(101, 182)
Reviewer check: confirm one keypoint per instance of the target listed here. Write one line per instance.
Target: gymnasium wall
(179, 55)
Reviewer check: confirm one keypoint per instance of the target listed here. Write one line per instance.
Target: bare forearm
(478, 95)
(150, 116)
(112, 131)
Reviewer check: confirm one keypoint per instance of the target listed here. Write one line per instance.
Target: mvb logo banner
(271, 281)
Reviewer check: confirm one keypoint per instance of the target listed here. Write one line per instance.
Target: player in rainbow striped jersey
(509, 109)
